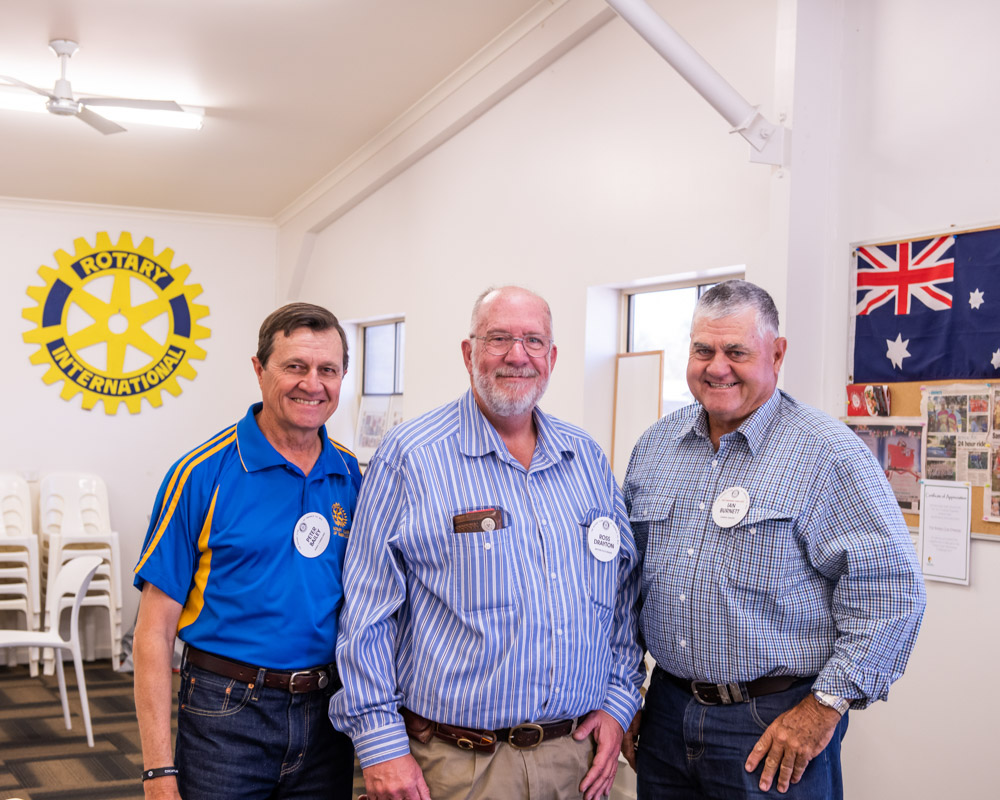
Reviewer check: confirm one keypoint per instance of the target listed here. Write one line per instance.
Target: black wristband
(159, 772)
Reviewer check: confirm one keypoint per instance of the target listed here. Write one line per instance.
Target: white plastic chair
(20, 583)
(74, 520)
(73, 579)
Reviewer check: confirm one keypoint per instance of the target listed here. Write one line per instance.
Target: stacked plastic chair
(74, 521)
(67, 589)
(20, 584)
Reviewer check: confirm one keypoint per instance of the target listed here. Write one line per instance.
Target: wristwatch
(838, 704)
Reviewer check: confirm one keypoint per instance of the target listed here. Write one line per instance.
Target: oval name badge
(604, 539)
(311, 534)
(730, 507)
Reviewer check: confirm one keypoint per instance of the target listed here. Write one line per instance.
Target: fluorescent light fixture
(14, 98)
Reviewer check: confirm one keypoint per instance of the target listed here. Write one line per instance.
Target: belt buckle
(529, 726)
(307, 673)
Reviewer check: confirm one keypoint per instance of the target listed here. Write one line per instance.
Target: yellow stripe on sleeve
(166, 516)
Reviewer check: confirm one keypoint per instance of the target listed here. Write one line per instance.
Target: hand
(396, 779)
(631, 741)
(161, 789)
(608, 737)
(793, 740)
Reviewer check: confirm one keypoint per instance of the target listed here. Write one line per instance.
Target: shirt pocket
(600, 577)
(765, 555)
(649, 519)
(481, 565)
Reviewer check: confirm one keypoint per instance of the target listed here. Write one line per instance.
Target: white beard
(507, 403)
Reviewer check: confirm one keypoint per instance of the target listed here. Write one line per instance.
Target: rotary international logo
(116, 323)
(339, 520)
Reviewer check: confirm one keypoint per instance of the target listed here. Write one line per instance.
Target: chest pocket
(649, 519)
(765, 555)
(481, 564)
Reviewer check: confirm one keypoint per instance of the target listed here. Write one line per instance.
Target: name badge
(311, 534)
(604, 539)
(730, 507)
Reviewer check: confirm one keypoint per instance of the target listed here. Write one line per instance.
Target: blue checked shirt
(820, 577)
(492, 628)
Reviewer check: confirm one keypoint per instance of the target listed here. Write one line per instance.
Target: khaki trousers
(551, 771)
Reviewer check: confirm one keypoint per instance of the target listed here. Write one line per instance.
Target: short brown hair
(292, 317)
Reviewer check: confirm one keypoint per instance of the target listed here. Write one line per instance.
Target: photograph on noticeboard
(897, 444)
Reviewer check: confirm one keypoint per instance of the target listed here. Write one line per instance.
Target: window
(382, 371)
(660, 319)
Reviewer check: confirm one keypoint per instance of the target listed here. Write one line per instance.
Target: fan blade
(121, 102)
(103, 124)
(34, 89)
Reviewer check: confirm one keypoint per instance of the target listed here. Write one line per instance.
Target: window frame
(399, 339)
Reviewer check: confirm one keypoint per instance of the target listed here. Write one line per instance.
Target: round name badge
(311, 534)
(604, 539)
(730, 507)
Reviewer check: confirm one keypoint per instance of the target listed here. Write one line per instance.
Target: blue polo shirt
(223, 542)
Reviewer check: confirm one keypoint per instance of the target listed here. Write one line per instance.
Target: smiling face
(732, 369)
(300, 384)
(509, 385)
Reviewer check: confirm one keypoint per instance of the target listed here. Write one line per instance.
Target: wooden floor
(41, 760)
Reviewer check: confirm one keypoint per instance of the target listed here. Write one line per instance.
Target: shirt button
(683, 598)
(545, 522)
(701, 506)
(684, 643)
(488, 546)
(715, 462)
(559, 632)
(753, 530)
(553, 576)
(556, 690)
(690, 551)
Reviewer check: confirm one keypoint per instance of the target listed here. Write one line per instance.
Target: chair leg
(62, 690)
(84, 704)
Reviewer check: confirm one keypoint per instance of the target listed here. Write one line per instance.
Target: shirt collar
(753, 429)
(477, 437)
(257, 453)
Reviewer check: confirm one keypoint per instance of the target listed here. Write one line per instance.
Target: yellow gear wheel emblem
(116, 323)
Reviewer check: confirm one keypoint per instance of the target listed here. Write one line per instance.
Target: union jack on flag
(906, 271)
(927, 309)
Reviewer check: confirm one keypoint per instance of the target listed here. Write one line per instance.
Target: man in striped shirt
(779, 585)
(488, 644)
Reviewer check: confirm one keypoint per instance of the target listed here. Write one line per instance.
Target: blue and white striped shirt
(492, 628)
(820, 577)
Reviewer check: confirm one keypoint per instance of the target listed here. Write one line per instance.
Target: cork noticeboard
(905, 399)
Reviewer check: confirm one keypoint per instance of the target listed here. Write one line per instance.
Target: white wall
(233, 261)
(603, 169)
(920, 154)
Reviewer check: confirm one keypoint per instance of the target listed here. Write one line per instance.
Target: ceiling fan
(62, 102)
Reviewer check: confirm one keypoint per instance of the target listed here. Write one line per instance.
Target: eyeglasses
(499, 344)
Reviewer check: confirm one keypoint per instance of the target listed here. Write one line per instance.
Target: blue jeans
(240, 743)
(688, 751)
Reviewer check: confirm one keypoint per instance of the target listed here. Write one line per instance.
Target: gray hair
(734, 297)
(477, 307)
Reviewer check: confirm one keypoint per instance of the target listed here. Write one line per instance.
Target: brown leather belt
(526, 736)
(724, 694)
(297, 682)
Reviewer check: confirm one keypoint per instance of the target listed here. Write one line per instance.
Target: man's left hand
(608, 737)
(794, 739)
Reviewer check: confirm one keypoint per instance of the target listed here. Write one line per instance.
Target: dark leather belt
(297, 682)
(526, 736)
(724, 694)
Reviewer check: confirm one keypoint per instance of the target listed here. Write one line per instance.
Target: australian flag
(928, 309)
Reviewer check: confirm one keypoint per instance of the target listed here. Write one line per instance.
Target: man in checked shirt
(779, 584)
(488, 638)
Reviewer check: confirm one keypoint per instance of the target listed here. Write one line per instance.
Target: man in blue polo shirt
(243, 561)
